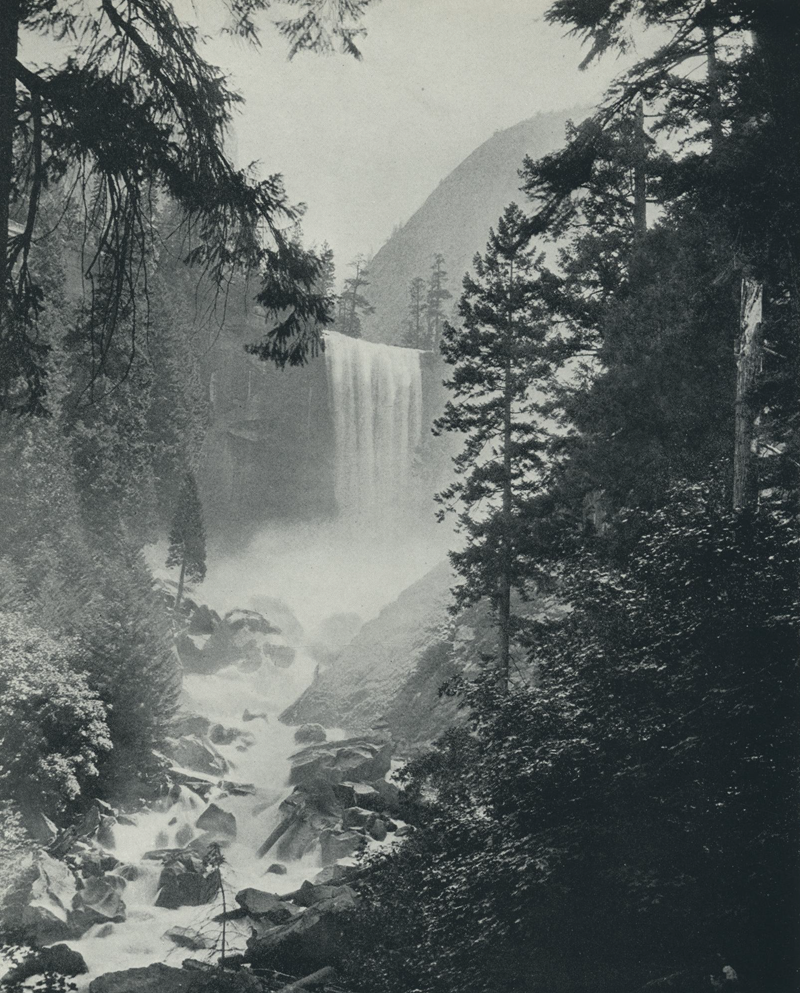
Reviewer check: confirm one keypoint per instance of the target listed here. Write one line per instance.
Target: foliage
(499, 381)
(415, 331)
(647, 774)
(53, 725)
(187, 538)
(435, 297)
(128, 114)
(352, 302)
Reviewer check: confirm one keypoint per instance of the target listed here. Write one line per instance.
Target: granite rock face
(356, 689)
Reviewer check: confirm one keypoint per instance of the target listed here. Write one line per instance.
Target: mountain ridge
(456, 217)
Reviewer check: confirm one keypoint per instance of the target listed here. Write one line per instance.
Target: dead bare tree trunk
(748, 365)
(9, 42)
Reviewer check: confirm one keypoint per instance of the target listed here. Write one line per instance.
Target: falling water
(376, 400)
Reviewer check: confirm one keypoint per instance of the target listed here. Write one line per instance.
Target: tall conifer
(187, 537)
(499, 379)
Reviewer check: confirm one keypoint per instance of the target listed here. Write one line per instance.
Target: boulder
(257, 903)
(310, 941)
(59, 959)
(281, 656)
(105, 832)
(335, 875)
(40, 828)
(389, 794)
(203, 621)
(41, 901)
(358, 795)
(311, 894)
(336, 845)
(187, 722)
(356, 817)
(376, 829)
(342, 761)
(277, 868)
(186, 937)
(404, 830)
(193, 752)
(185, 882)
(217, 822)
(308, 734)
(260, 716)
(130, 873)
(99, 902)
(156, 978)
(94, 863)
(218, 734)
(315, 795)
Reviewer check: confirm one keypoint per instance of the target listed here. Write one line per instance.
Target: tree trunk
(748, 365)
(279, 831)
(181, 578)
(640, 177)
(504, 592)
(9, 42)
(315, 979)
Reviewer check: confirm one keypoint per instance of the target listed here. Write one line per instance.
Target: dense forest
(619, 807)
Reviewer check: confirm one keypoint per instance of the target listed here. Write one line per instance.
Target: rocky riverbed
(249, 850)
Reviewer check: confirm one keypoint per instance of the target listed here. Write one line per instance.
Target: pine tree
(352, 302)
(500, 375)
(414, 326)
(187, 539)
(437, 294)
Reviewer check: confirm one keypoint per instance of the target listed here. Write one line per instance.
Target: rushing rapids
(375, 394)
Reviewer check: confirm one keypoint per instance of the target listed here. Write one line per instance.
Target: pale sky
(364, 143)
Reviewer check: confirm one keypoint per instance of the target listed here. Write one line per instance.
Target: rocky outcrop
(244, 638)
(60, 959)
(357, 688)
(456, 217)
(310, 734)
(216, 823)
(193, 752)
(99, 902)
(157, 978)
(186, 882)
(310, 941)
(334, 762)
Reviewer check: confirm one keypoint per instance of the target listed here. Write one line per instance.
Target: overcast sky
(364, 143)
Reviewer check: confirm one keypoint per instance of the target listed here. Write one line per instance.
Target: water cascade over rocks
(376, 401)
(288, 811)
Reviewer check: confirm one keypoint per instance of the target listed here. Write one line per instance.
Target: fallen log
(279, 831)
(314, 979)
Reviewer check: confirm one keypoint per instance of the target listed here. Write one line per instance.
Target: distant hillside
(456, 217)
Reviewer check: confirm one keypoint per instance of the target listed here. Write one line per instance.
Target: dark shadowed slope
(456, 217)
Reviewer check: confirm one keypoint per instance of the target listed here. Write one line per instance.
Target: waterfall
(376, 401)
